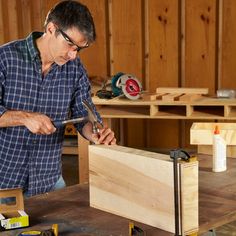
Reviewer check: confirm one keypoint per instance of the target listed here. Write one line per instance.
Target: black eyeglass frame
(69, 40)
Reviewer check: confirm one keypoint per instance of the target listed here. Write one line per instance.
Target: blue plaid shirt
(27, 160)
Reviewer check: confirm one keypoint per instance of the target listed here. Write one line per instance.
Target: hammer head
(91, 116)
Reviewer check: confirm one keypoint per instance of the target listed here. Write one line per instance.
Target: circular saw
(126, 84)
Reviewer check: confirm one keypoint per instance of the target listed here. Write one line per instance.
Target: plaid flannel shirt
(27, 160)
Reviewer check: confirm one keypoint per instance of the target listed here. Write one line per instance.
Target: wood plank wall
(188, 43)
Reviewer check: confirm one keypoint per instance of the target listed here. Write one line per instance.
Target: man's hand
(105, 136)
(37, 123)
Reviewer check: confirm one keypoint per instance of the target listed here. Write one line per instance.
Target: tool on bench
(91, 117)
(50, 232)
(135, 230)
(177, 154)
(226, 93)
(121, 84)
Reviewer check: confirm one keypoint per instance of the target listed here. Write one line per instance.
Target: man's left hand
(105, 136)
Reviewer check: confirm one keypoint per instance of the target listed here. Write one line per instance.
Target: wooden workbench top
(69, 207)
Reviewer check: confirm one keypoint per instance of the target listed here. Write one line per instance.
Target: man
(43, 80)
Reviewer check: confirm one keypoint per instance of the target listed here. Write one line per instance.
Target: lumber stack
(139, 185)
(169, 94)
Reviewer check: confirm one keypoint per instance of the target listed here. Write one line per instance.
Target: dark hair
(68, 14)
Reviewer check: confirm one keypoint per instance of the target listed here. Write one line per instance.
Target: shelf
(124, 111)
(208, 111)
(232, 111)
(170, 110)
(202, 108)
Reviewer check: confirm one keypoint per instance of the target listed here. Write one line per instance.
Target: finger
(95, 138)
(107, 138)
(113, 142)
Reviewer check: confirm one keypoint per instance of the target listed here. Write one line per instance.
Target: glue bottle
(219, 152)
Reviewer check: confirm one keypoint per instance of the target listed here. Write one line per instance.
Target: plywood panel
(12, 8)
(5, 21)
(126, 35)
(162, 64)
(200, 44)
(37, 16)
(199, 58)
(2, 29)
(26, 17)
(162, 30)
(126, 53)
(228, 47)
(142, 186)
(163, 134)
(96, 56)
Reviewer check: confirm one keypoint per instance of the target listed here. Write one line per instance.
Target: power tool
(121, 84)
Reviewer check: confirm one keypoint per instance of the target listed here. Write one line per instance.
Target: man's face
(64, 45)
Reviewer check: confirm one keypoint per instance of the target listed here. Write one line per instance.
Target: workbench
(69, 207)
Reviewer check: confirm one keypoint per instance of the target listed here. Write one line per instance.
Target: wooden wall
(176, 43)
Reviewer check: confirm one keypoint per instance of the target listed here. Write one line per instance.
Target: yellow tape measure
(30, 233)
(50, 232)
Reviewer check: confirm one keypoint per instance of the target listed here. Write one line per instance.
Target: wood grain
(202, 133)
(129, 182)
(182, 90)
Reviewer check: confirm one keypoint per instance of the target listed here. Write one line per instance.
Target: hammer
(91, 117)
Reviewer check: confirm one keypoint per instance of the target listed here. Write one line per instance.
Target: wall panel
(227, 77)
(151, 39)
(126, 34)
(200, 44)
(2, 27)
(162, 64)
(100, 48)
(163, 43)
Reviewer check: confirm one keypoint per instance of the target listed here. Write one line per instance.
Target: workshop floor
(70, 174)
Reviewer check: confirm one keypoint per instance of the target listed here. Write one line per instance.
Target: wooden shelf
(202, 108)
(124, 111)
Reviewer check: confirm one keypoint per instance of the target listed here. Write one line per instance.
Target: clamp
(135, 230)
(177, 154)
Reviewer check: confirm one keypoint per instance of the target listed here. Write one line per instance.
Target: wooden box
(139, 185)
(202, 135)
(12, 214)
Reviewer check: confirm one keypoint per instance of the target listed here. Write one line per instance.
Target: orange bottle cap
(216, 131)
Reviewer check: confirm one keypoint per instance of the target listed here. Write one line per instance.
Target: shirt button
(34, 142)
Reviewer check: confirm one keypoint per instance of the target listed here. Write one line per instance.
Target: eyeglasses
(67, 38)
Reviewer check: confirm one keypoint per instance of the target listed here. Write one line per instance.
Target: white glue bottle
(219, 152)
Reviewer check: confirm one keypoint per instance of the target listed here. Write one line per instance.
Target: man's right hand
(39, 123)
(36, 123)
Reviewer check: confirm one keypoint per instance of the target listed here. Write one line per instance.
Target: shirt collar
(30, 40)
